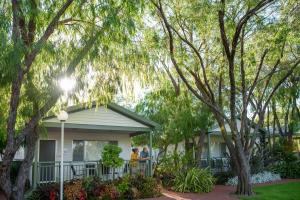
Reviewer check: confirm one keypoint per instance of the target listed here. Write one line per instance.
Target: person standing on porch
(134, 158)
(144, 157)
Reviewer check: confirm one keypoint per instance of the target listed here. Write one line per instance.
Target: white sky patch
(67, 84)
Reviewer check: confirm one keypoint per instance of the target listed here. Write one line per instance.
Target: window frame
(114, 142)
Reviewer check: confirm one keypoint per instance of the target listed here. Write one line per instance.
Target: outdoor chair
(77, 173)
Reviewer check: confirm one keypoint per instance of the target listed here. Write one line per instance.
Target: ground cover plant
(262, 177)
(194, 180)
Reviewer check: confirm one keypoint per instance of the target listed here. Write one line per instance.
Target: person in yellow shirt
(134, 159)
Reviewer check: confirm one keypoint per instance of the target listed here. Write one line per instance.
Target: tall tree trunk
(242, 168)
(199, 147)
(239, 157)
(23, 174)
(5, 169)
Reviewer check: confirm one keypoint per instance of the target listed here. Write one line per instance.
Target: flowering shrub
(73, 190)
(50, 192)
(262, 177)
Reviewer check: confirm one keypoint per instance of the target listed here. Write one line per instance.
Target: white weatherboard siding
(123, 139)
(215, 146)
(99, 116)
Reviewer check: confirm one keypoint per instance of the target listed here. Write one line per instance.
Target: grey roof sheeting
(119, 109)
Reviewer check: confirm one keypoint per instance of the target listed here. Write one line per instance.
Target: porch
(49, 172)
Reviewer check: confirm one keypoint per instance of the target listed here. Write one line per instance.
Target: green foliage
(194, 180)
(175, 161)
(180, 116)
(44, 192)
(93, 188)
(287, 169)
(222, 177)
(111, 156)
(124, 186)
(147, 186)
(283, 151)
(284, 162)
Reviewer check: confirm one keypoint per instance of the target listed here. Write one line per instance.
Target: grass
(285, 191)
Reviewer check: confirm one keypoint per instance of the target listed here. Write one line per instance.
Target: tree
(230, 55)
(181, 119)
(44, 41)
(111, 157)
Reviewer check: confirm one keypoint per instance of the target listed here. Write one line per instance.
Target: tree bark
(242, 165)
(199, 148)
(23, 174)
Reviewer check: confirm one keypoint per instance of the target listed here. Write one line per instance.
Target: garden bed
(92, 188)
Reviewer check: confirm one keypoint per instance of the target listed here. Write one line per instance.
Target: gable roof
(116, 118)
(215, 129)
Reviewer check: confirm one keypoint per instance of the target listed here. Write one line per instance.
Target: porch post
(62, 117)
(208, 150)
(62, 161)
(150, 152)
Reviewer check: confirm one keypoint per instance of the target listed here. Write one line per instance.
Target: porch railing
(217, 164)
(49, 172)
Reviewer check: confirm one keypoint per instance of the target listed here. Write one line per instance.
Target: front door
(47, 160)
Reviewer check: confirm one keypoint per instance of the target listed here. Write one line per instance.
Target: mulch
(220, 192)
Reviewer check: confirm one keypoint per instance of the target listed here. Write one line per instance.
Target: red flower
(82, 195)
(52, 195)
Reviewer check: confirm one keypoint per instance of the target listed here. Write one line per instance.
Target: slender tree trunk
(175, 155)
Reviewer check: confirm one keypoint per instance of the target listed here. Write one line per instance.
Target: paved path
(220, 192)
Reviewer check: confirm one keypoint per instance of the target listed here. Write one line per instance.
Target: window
(223, 148)
(78, 150)
(93, 149)
(89, 150)
(204, 150)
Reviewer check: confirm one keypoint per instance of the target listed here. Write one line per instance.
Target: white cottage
(87, 130)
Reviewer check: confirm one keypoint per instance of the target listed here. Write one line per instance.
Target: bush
(194, 180)
(222, 177)
(167, 178)
(90, 183)
(284, 162)
(287, 169)
(147, 186)
(45, 192)
(74, 190)
(169, 166)
(262, 177)
(111, 157)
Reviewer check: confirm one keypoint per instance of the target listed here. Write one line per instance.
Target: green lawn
(286, 191)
